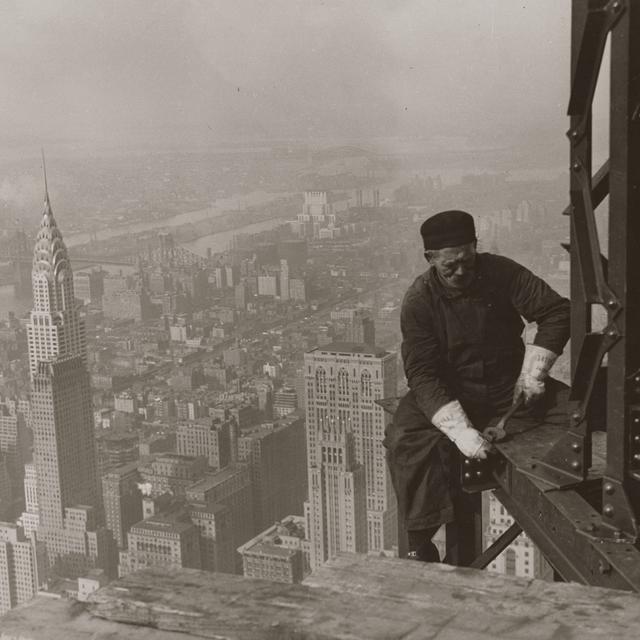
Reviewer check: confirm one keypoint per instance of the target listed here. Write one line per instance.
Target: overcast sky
(127, 71)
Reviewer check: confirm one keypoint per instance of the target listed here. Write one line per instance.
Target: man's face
(455, 265)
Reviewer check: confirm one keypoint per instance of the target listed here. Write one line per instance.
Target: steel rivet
(616, 6)
(637, 379)
(636, 456)
(636, 420)
(576, 415)
(467, 461)
(612, 333)
(636, 438)
(575, 446)
(576, 166)
(574, 133)
(608, 510)
(575, 465)
(478, 474)
(611, 304)
(467, 476)
(609, 488)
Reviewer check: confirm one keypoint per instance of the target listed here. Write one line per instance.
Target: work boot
(428, 552)
(420, 546)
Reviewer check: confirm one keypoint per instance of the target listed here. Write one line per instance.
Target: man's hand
(472, 445)
(452, 420)
(528, 389)
(535, 368)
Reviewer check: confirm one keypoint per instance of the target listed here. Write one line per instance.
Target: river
(221, 206)
(216, 241)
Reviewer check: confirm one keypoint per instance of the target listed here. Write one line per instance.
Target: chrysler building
(69, 512)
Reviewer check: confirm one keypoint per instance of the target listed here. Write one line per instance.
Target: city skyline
(176, 413)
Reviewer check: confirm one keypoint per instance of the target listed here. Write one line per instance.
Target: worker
(466, 365)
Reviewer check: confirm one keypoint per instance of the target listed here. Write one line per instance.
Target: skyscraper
(21, 570)
(70, 513)
(14, 445)
(64, 451)
(337, 510)
(122, 500)
(55, 328)
(345, 429)
(284, 280)
(276, 453)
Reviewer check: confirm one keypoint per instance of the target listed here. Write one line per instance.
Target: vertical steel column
(580, 309)
(621, 486)
(464, 534)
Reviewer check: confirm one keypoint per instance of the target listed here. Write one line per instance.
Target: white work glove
(535, 368)
(454, 423)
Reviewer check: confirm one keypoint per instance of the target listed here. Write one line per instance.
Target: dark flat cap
(448, 229)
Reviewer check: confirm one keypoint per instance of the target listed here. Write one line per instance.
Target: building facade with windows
(343, 382)
(521, 558)
(280, 553)
(22, 566)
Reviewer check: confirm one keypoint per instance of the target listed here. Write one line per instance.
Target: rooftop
(269, 549)
(217, 478)
(351, 348)
(124, 469)
(169, 522)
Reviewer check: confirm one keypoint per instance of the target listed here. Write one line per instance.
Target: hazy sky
(126, 71)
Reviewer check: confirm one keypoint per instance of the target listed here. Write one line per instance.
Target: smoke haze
(167, 73)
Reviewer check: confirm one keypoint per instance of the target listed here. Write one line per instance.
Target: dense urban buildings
(215, 409)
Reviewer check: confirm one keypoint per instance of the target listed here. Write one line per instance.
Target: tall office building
(231, 488)
(14, 445)
(284, 280)
(64, 451)
(276, 453)
(336, 513)
(69, 507)
(345, 429)
(30, 520)
(122, 500)
(215, 526)
(21, 567)
(206, 437)
(361, 329)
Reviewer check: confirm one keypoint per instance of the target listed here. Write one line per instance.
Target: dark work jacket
(467, 345)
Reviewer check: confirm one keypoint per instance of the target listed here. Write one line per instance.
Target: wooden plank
(369, 598)
(47, 618)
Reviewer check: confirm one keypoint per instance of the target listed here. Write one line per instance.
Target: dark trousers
(424, 463)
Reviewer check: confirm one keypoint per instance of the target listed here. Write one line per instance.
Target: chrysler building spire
(56, 328)
(51, 276)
